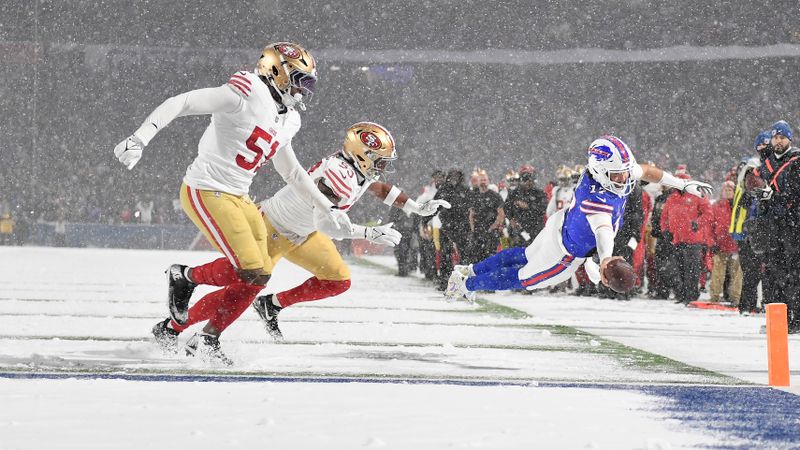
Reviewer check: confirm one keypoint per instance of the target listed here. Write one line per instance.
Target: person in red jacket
(724, 249)
(684, 220)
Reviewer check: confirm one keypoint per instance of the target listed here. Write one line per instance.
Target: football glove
(698, 188)
(129, 151)
(428, 208)
(383, 234)
(340, 220)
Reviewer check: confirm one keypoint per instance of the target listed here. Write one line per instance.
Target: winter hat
(782, 127)
(683, 175)
(762, 138)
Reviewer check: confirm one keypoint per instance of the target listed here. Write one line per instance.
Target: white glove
(129, 151)
(340, 220)
(698, 188)
(764, 193)
(428, 208)
(383, 234)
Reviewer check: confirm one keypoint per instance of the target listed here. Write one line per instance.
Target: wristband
(394, 192)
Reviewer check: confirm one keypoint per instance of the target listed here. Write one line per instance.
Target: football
(620, 275)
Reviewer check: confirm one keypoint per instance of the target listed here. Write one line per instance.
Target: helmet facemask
(291, 71)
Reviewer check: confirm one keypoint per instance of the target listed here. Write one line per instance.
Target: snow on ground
(388, 364)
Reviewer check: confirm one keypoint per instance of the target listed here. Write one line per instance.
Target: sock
(202, 310)
(219, 272)
(236, 299)
(503, 278)
(311, 289)
(507, 258)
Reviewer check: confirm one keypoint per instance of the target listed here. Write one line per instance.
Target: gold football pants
(232, 224)
(317, 254)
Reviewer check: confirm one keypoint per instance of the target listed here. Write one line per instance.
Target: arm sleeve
(324, 225)
(200, 101)
(289, 168)
(603, 233)
(672, 181)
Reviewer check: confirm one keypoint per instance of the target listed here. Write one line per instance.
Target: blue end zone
(760, 417)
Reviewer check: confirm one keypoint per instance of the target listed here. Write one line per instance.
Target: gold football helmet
(285, 66)
(371, 149)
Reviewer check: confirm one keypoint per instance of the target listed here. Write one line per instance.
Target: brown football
(620, 275)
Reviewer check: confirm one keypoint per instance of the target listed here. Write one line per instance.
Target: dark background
(460, 84)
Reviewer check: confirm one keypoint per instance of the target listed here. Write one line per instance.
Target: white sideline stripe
(210, 225)
(100, 55)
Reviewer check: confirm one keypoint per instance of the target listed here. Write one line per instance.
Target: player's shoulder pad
(596, 203)
(292, 121)
(341, 175)
(242, 83)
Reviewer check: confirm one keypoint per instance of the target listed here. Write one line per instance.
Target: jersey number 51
(252, 144)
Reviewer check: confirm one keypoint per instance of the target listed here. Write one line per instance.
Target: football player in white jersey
(299, 231)
(253, 120)
(562, 193)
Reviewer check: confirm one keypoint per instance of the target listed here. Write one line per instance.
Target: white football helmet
(608, 156)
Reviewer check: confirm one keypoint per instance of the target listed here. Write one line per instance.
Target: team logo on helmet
(370, 140)
(601, 152)
(289, 51)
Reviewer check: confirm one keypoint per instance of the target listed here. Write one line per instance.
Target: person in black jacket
(627, 238)
(778, 213)
(454, 234)
(525, 208)
(486, 220)
(665, 271)
(406, 251)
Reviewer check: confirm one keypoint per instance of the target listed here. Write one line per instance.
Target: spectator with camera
(778, 213)
(744, 210)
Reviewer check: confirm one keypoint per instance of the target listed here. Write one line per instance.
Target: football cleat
(180, 291)
(466, 270)
(457, 287)
(207, 347)
(268, 311)
(166, 337)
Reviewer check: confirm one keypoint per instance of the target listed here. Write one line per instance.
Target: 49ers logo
(289, 51)
(370, 140)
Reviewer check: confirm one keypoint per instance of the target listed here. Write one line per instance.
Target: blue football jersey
(590, 198)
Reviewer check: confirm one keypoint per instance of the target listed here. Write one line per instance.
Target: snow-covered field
(388, 364)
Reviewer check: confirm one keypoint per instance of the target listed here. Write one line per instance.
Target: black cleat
(166, 338)
(268, 312)
(208, 348)
(180, 291)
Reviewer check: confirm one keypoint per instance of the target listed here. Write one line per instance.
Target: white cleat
(466, 271)
(457, 286)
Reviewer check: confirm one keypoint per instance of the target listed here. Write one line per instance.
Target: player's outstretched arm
(200, 101)
(604, 236)
(289, 168)
(380, 234)
(393, 196)
(653, 174)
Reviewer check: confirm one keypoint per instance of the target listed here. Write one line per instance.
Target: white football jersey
(293, 217)
(236, 144)
(561, 198)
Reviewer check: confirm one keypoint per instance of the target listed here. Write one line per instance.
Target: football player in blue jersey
(571, 235)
